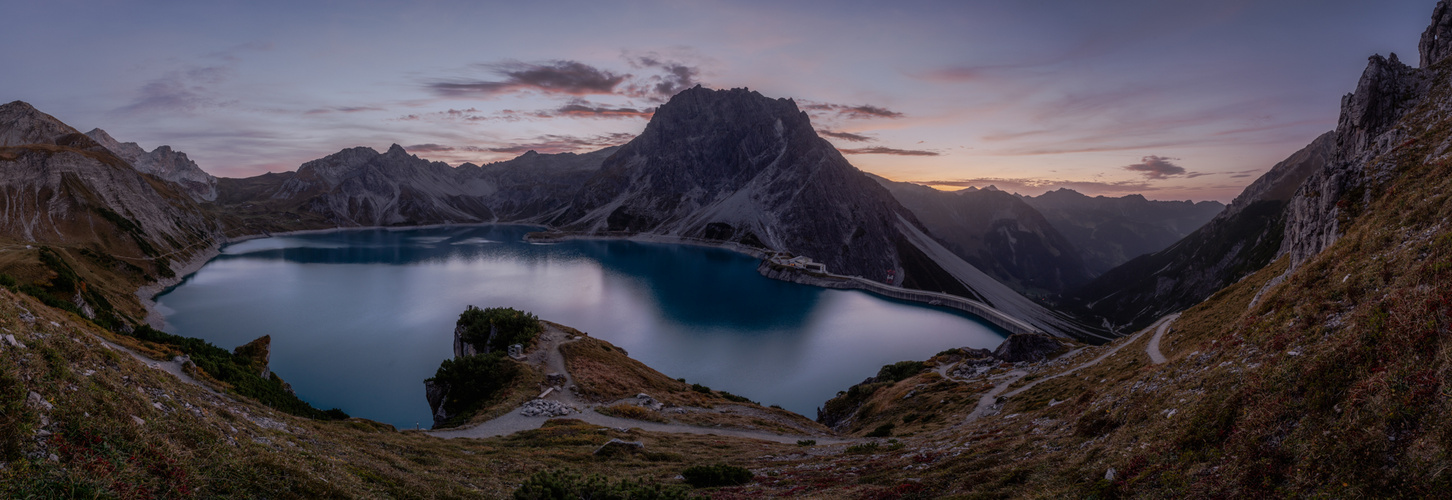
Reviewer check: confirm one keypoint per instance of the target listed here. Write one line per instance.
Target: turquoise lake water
(360, 318)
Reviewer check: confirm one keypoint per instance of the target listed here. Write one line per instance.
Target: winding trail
(1153, 349)
(988, 401)
(549, 356)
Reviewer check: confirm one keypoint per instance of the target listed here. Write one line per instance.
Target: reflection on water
(359, 318)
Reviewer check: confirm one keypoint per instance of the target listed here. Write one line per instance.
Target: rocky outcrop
(1436, 43)
(436, 393)
(1027, 347)
(461, 348)
(1109, 231)
(258, 354)
(1387, 92)
(162, 162)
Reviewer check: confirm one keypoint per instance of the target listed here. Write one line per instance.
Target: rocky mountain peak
(21, 123)
(1436, 42)
(396, 150)
(700, 111)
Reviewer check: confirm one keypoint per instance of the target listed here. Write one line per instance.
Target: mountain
(162, 162)
(1110, 231)
(1241, 239)
(62, 189)
(998, 233)
(719, 165)
(735, 166)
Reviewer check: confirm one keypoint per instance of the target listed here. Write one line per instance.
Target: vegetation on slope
(496, 328)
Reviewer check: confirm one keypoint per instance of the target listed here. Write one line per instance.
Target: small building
(516, 351)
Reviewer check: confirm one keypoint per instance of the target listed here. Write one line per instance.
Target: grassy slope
(191, 442)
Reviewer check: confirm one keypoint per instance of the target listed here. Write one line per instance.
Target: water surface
(360, 318)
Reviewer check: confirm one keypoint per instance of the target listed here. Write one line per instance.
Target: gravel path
(987, 402)
(1153, 349)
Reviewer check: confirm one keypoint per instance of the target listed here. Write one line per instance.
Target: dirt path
(548, 355)
(991, 399)
(1153, 349)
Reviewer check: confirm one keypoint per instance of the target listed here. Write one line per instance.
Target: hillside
(998, 233)
(1244, 237)
(1111, 231)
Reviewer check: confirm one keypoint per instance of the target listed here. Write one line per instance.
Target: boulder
(1027, 347)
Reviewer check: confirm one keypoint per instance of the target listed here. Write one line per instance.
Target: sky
(1170, 99)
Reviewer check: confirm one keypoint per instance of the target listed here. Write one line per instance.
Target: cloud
(585, 109)
(554, 77)
(341, 109)
(182, 90)
(676, 76)
(1022, 184)
(880, 150)
(846, 136)
(1157, 167)
(427, 148)
(864, 111)
(552, 143)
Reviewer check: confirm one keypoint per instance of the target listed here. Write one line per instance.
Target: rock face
(997, 233)
(258, 353)
(436, 393)
(461, 348)
(1027, 347)
(734, 165)
(61, 187)
(1436, 43)
(1387, 92)
(162, 162)
(1243, 238)
(1110, 231)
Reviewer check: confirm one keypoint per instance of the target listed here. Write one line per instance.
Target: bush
(239, 372)
(708, 476)
(562, 485)
(864, 448)
(630, 411)
(881, 431)
(806, 442)
(9, 282)
(473, 380)
(900, 370)
(496, 328)
(701, 388)
(733, 397)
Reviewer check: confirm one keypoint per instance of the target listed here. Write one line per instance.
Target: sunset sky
(1174, 100)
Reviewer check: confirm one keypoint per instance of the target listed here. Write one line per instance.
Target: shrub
(900, 370)
(864, 448)
(883, 430)
(562, 485)
(496, 328)
(701, 388)
(473, 380)
(630, 411)
(8, 281)
(806, 442)
(239, 372)
(733, 397)
(709, 476)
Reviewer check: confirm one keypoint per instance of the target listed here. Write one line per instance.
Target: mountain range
(1295, 345)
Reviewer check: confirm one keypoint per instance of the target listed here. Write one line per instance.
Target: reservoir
(359, 318)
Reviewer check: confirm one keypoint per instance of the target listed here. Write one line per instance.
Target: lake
(359, 318)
